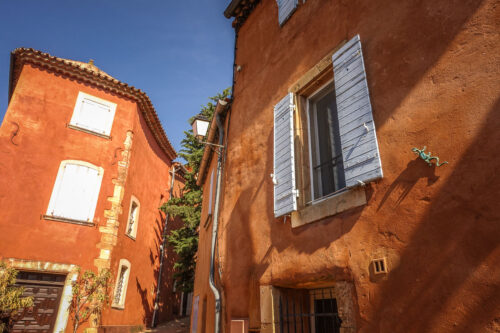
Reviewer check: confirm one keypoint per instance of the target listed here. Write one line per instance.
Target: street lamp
(200, 126)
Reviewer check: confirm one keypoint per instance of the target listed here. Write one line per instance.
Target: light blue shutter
(357, 129)
(285, 9)
(285, 200)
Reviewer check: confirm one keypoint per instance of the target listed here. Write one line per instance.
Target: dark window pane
(328, 171)
(325, 311)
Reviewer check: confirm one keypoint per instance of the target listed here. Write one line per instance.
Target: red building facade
(327, 220)
(85, 167)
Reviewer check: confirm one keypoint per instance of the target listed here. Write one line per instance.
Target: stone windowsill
(130, 236)
(66, 220)
(336, 204)
(81, 129)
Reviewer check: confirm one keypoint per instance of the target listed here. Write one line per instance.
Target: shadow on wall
(449, 272)
(440, 270)
(415, 170)
(148, 308)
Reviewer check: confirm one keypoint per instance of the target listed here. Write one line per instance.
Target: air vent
(379, 266)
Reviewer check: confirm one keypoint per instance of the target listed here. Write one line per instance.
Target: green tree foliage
(188, 207)
(89, 296)
(10, 296)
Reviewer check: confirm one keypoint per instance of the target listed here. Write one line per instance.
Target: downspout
(221, 152)
(162, 251)
(215, 227)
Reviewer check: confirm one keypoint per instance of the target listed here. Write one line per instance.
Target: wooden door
(46, 290)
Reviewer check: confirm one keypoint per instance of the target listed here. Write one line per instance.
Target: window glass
(133, 217)
(326, 152)
(119, 285)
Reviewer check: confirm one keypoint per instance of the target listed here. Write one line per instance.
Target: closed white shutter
(285, 9)
(75, 193)
(93, 114)
(285, 200)
(357, 130)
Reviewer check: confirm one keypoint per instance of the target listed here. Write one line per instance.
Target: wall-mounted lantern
(200, 126)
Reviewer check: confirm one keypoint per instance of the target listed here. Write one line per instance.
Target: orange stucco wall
(206, 303)
(433, 76)
(41, 106)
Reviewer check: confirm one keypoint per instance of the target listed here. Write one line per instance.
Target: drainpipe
(162, 251)
(215, 227)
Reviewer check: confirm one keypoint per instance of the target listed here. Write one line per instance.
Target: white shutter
(357, 130)
(285, 200)
(285, 9)
(75, 192)
(61, 197)
(93, 114)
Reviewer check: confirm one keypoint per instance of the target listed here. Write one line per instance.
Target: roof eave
(63, 67)
(229, 12)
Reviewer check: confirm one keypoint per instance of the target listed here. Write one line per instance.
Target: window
(133, 217)
(286, 9)
(325, 143)
(308, 311)
(121, 284)
(327, 170)
(93, 115)
(75, 193)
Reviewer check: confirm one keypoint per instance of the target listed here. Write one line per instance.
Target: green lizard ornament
(427, 157)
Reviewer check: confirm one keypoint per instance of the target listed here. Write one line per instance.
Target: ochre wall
(202, 289)
(432, 71)
(42, 105)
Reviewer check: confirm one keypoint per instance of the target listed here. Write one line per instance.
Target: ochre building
(85, 166)
(359, 179)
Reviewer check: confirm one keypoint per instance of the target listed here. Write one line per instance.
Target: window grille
(308, 311)
(119, 285)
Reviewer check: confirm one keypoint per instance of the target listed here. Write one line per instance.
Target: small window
(121, 284)
(379, 266)
(75, 193)
(133, 217)
(93, 114)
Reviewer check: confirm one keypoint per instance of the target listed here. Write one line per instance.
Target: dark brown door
(46, 290)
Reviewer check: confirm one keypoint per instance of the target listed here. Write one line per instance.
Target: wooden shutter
(357, 130)
(285, 9)
(285, 200)
(75, 192)
(95, 116)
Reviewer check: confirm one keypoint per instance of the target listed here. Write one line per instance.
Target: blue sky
(178, 52)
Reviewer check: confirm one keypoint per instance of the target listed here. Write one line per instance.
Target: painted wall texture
(35, 139)
(433, 75)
